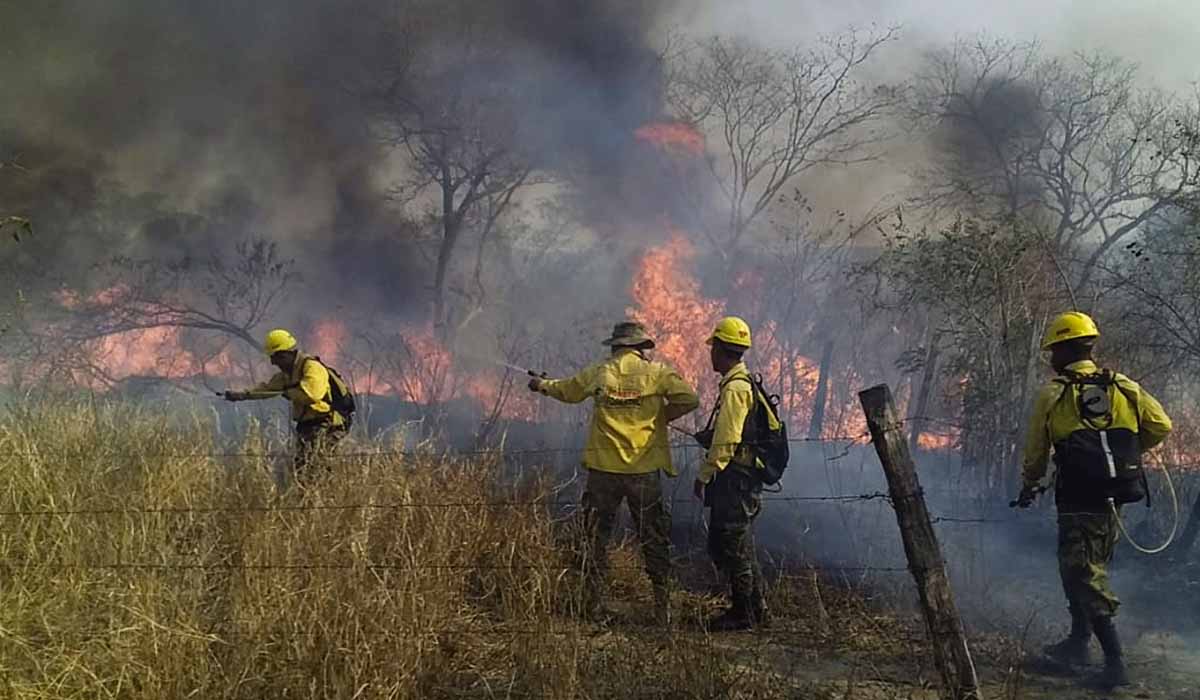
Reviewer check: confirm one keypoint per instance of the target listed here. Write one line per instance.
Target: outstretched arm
(570, 390)
(273, 387)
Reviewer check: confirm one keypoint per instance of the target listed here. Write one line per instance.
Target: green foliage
(986, 289)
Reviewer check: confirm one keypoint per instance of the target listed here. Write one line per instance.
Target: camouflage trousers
(1085, 549)
(315, 443)
(602, 498)
(736, 500)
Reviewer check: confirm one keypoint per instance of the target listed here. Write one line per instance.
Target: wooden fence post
(950, 651)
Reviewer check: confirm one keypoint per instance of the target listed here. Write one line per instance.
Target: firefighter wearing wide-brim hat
(1087, 520)
(307, 384)
(627, 449)
(727, 483)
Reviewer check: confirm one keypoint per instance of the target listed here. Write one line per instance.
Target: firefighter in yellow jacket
(306, 383)
(1099, 423)
(627, 450)
(727, 483)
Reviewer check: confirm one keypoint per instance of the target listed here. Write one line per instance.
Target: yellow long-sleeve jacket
(306, 386)
(634, 399)
(1056, 415)
(735, 402)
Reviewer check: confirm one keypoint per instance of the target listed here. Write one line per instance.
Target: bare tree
(1156, 282)
(451, 111)
(1073, 146)
(798, 296)
(228, 294)
(778, 114)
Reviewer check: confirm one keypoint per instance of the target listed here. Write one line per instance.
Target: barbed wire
(430, 453)
(19, 566)
(284, 508)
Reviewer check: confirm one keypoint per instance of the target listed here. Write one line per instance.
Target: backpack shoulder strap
(747, 379)
(1131, 398)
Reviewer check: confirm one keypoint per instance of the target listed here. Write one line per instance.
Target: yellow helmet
(278, 340)
(1069, 326)
(731, 330)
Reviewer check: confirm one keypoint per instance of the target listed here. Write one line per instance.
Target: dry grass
(230, 590)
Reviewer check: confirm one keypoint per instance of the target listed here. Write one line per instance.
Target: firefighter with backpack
(322, 405)
(1099, 423)
(746, 447)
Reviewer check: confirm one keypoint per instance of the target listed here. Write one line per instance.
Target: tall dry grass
(142, 565)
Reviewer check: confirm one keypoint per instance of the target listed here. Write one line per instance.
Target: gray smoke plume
(250, 106)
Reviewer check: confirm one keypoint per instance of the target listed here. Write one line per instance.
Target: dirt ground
(829, 641)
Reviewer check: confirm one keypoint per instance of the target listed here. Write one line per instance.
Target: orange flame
(671, 307)
(940, 441)
(672, 136)
(679, 317)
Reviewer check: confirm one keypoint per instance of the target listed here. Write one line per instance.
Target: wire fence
(279, 505)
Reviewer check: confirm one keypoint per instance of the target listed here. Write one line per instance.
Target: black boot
(737, 617)
(1074, 650)
(1115, 674)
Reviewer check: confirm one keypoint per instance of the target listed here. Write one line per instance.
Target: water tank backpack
(1098, 460)
(764, 433)
(341, 399)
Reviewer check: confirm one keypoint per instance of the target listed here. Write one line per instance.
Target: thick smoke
(208, 104)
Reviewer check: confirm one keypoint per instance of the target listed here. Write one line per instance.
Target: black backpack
(767, 434)
(764, 433)
(341, 399)
(1100, 462)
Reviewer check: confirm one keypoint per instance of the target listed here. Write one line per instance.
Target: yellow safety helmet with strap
(1069, 326)
(732, 331)
(278, 340)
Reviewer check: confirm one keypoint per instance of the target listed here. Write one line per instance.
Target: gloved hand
(535, 384)
(1027, 497)
(704, 437)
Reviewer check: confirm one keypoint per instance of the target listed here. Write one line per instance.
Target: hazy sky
(1162, 35)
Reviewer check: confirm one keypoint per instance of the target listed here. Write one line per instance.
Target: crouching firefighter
(747, 448)
(627, 450)
(322, 405)
(1099, 423)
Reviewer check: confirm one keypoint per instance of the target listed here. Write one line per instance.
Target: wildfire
(329, 337)
(669, 302)
(676, 136)
(670, 305)
(422, 370)
(937, 441)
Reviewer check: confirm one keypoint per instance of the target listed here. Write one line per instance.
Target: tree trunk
(920, 407)
(820, 398)
(451, 227)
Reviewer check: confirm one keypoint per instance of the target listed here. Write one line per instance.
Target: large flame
(669, 302)
(670, 305)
